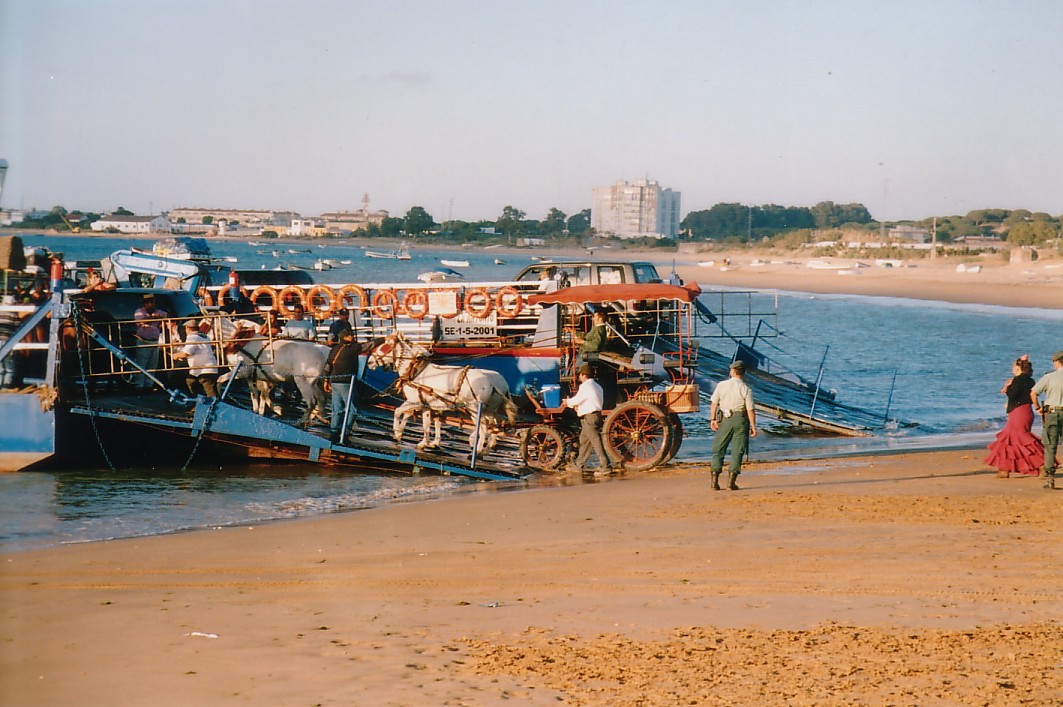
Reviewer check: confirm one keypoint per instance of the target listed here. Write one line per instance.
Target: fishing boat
(455, 263)
(401, 253)
(499, 261)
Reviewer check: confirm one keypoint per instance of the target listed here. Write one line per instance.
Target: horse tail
(511, 409)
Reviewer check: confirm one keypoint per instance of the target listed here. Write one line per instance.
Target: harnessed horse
(266, 363)
(432, 388)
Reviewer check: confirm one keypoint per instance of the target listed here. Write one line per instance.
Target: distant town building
(908, 232)
(349, 221)
(641, 209)
(133, 224)
(307, 228)
(246, 217)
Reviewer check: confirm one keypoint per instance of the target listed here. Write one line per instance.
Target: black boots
(732, 484)
(715, 481)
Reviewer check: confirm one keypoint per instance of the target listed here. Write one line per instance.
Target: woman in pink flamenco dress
(1016, 449)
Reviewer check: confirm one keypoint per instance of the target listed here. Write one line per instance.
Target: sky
(914, 108)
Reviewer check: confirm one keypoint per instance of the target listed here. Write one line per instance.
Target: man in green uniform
(734, 420)
(1051, 384)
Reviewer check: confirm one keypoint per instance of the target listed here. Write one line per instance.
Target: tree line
(724, 222)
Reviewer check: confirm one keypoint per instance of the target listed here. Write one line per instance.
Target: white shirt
(589, 398)
(733, 395)
(299, 329)
(200, 354)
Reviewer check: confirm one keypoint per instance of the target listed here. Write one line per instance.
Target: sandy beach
(906, 579)
(982, 281)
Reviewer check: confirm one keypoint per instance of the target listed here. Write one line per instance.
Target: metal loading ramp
(790, 401)
(370, 447)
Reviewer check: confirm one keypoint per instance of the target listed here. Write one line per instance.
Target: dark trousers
(1050, 432)
(734, 433)
(590, 438)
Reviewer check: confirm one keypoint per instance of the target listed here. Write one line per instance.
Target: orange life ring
(415, 302)
(223, 291)
(264, 290)
(478, 310)
(204, 294)
(509, 302)
(352, 290)
(329, 294)
(385, 304)
(300, 298)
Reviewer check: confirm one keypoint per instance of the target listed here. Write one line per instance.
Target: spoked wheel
(543, 448)
(638, 434)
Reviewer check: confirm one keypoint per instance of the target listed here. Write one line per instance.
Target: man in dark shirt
(337, 327)
(341, 373)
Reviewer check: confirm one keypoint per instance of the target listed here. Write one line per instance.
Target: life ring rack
(415, 302)
(225, 290)
(329, 294)
(352, 290)
(509, 302)
(482, 310)
(385, 304)
(264, 290)
(282, 296)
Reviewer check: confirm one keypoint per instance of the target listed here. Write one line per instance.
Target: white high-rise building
(635, 210)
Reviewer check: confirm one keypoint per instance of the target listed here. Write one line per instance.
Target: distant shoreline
(1038, 284)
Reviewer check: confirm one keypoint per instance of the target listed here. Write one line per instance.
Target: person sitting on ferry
(299, 326)
(269, 327)
(595, 340)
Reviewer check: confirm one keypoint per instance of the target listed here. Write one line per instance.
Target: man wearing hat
(1051, 385)
(202, 364)
(341, 324)
(341, 380)
(734, 420)
(149, 329)
(587, 404)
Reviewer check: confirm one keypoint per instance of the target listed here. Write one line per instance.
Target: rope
(78, 323)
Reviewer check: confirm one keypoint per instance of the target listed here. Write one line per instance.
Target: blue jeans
(340, 391)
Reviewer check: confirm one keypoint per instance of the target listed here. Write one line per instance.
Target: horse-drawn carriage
(646, 371)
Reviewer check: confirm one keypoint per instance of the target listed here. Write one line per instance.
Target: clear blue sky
(914, 108)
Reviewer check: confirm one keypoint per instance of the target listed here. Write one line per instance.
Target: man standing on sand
(587, 404)
(1051, 384)
(734, 420)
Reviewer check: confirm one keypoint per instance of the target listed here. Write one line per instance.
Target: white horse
(435, 389)
(266, 363)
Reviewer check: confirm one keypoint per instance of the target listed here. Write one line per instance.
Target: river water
(937, 367)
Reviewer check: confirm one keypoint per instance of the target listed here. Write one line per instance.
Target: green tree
(208, 220)
(554, 222)
(579, 224)
(122, 211)
(391, 227)
(418, 221)
(1030, 233)
(511, 222)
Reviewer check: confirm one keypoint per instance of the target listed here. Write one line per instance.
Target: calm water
(939, 366)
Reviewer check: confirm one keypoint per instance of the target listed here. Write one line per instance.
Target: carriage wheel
(638, 434)
(543, 448)
(677, 436)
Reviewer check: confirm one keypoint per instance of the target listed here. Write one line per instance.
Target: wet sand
(904, 579)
